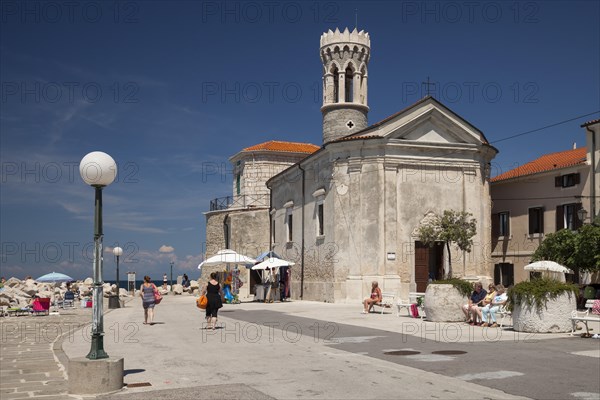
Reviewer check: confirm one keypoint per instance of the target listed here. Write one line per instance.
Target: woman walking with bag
(147, 294)
(213, 294)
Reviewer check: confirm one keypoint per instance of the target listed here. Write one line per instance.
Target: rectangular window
(504, 274)
(238, 185)
(567, 218)
(504, 225)
(289, 221)
(536, 220)
(320, 219)
(567, 180)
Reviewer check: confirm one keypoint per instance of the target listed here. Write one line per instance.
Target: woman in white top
(489, 313)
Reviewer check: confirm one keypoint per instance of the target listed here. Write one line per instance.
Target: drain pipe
(270, 219)
(302, 237)
(593, 175)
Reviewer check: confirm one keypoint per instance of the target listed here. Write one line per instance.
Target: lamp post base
(97, 350)
(114, 302)
(95, 376)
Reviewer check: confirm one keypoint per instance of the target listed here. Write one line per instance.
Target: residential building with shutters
(542, 197)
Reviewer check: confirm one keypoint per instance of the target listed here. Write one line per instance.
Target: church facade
(349, 213)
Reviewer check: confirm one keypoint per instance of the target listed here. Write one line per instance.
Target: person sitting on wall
(470, 309)
(375, 297)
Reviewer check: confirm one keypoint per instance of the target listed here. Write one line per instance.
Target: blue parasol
(55, 277)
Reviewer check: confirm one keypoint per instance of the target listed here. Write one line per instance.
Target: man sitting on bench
(375, 298)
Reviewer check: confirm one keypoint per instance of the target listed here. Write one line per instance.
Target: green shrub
(538, 291)
(464, 287)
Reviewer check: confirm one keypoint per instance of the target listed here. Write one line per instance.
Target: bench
(387, 301)
(412, 299)
(584, 316)
(504, 312)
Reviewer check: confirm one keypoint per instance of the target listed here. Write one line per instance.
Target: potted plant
(444, 300)
(542, 305)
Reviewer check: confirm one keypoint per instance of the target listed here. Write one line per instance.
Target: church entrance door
(428, 264)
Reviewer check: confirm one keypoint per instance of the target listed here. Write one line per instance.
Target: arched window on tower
(349, 84)
(336, 84)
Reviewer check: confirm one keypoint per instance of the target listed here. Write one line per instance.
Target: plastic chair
(40, 306)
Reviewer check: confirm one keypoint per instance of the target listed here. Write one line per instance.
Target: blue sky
(171, 90)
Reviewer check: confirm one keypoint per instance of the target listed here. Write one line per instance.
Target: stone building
(555, 191)
(348, 214)
(241, 222)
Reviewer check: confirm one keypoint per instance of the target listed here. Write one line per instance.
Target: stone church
(347, 213)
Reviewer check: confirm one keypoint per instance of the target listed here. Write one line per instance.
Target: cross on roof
(428, 83)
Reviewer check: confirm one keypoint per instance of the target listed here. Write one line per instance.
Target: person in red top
(373, 299)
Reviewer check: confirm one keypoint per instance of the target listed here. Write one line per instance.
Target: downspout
(593, 175)
(226, 229)
(270, 218)
(302, 237)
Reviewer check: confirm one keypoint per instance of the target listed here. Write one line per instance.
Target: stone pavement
(32, 363)
(299, 349)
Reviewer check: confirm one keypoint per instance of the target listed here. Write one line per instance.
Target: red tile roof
(288, 147)
(547, 162)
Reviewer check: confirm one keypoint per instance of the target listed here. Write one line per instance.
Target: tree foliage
(576, 250)
(451, 227)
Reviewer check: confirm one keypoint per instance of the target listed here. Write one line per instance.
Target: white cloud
(166, 249)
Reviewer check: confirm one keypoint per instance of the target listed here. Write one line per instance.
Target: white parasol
(272, 262)
(550, 266)
(226, 256)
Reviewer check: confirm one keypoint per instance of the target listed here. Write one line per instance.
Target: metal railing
(243, 201)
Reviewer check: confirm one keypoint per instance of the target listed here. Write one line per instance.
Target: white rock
(12, 282)
(178, 289)
(88, 282)
(123, 292)
(443, 303)
(30, 289)
(554, 317)
(194, 285)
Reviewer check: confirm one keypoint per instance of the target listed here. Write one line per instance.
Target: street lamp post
(171, 276)
(118, 252)
(98, 170)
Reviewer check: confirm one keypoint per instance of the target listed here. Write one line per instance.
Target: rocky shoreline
(18, 293)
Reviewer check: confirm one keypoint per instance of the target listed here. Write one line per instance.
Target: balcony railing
(243, 201)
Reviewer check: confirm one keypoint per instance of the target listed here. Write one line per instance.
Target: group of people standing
(212, 290)
(483, 305)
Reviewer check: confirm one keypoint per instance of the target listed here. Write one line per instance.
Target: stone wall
(335, 119)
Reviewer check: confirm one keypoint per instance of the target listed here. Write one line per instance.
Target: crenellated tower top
(330, 37)
(345, 57)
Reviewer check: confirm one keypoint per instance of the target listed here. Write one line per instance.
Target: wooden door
(421, 266)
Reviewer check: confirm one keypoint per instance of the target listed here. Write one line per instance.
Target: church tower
(345, 57)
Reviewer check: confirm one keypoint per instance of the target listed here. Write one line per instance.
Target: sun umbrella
(272, 262)
(226, 257)
(55, 277)
(549, 266)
